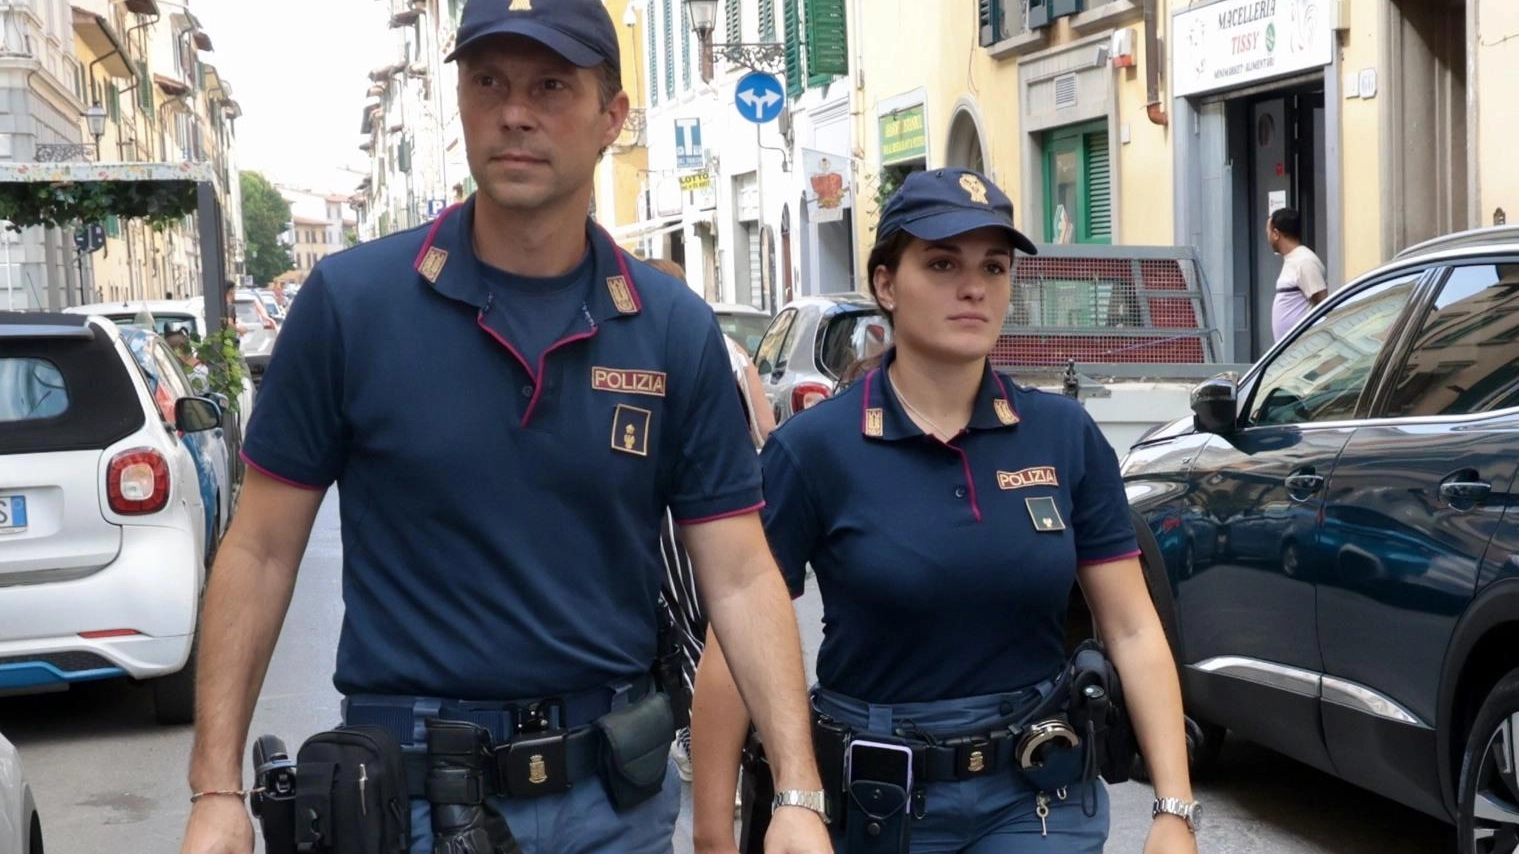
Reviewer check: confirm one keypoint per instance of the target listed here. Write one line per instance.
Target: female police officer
(946, 513)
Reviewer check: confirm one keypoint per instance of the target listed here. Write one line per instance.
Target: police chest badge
(1045, 514)
(630, 430)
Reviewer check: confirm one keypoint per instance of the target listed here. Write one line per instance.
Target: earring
(886, 306)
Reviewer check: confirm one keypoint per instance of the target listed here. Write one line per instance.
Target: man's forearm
(245, 605)
(758, 631)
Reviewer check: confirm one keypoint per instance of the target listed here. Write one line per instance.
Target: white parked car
(167, 314)
(20, 827)
(103, 539)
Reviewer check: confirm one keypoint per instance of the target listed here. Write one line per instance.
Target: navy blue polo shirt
(500, 517)
(945, 569)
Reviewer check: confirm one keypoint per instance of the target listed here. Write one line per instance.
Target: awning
(647, 228)
(100, 37)
(366, 127)
(142, 7)
(171, 87)
(78, 172)
(405, 18)
(203, 40)
(381, 75)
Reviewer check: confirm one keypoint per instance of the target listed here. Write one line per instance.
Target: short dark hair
(887, 253)
(1289, 222)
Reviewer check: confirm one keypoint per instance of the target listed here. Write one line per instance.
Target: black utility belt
(529, 766)
(949, 760)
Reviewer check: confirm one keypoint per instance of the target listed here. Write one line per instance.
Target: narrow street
(108, 779)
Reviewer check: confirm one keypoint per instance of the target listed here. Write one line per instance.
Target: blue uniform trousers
(994, 814)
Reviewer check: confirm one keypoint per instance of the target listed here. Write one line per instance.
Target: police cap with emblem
(942, 203)
(578, 30)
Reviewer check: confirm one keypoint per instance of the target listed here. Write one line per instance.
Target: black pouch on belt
(350, 793)
(635, 750)
(879, 821)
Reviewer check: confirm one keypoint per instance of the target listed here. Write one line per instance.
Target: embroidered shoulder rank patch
(1005, 412)
(875, 423)
(432, 264)
(622, 296)
(630, 430)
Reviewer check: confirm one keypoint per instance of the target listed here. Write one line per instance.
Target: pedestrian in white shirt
(1302, 283)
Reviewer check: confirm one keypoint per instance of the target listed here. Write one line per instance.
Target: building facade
(135, 68)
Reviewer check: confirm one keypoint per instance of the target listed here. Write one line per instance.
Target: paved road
(108, 779)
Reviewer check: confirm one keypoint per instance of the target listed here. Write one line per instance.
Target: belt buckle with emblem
(975, 757)
(535, 763)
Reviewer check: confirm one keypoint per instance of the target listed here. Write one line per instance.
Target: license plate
(12, 514)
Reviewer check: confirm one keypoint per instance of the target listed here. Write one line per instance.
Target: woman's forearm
(719, 725)
(1153, 694)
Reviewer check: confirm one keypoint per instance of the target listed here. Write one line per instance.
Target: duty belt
(540, 746)
(941, 760)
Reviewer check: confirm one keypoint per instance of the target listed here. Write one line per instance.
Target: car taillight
(808, 395)
(137, 482)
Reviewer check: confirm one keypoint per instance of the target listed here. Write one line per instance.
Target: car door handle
(1304, 482)
(1465, 490)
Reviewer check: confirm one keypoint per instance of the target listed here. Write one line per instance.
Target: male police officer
(508, 403)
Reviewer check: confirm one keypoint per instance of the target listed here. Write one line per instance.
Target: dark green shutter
(793, 49)
(1099, 177)
(144, 88)
(670, 48)
(1038, 14)
(653, 63)
(113, 102)
(733, 29)
(403, 155)
(990, 14)
(827, 42)
(767, 21)
(1061, 8)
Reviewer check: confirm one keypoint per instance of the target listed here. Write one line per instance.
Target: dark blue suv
(1332, 539)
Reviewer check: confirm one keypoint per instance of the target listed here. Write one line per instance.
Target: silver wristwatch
(1191, 813)
(815, 801)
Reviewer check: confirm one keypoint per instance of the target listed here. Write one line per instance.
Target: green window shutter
(827, 42)
(113, 102)
(403, 156)
(793, 49)
(670, 48)
(685, 53)
(144, 88)
(113, 226)
(653, 63)
(733, 29)
(1061, 8)
(1099, 180)
(1038, 14)
(767, 21)
(990, 14)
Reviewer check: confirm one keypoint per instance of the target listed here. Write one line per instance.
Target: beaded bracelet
(237, 793)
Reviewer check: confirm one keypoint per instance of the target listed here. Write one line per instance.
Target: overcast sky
(299, 69)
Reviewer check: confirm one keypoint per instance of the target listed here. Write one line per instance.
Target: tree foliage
(64, 204)
(266, 215)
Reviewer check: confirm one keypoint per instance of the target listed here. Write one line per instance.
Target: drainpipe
(1153, 58)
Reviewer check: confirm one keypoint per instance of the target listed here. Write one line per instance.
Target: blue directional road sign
(760, 97)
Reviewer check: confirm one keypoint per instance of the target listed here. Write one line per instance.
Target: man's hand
(218, 825)
(1170, 835)
(794, 830)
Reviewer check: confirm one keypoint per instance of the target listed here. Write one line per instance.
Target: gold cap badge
(974, 188)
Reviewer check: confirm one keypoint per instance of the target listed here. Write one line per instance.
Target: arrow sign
(760, 97)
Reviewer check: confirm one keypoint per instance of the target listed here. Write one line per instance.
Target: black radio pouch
(1098, 712)
(635, 750)
(350, 794)
(879, 821)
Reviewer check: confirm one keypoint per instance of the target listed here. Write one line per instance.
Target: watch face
(1196, 819)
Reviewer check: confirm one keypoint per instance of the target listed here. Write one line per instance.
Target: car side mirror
(1215, 405)
(197, 414)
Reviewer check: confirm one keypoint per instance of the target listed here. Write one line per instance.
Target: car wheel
(1488, 800)
(1205, 743)
(174, 695)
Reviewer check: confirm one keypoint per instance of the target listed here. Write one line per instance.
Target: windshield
(746, 329)
(162, 323)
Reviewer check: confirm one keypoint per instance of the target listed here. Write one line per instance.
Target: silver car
(811, 346)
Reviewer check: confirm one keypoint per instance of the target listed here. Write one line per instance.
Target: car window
(1465, 356)
(851, 337)
(768, 354)
(1320, 374)
(747, 329)
(248, 313)
(169, 369)
(31, 390)
(162, 323)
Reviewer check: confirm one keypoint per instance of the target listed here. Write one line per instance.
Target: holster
(350, 794)
(757, 793)
(879, 821)
(670, 667)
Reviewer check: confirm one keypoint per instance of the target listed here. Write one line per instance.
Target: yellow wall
(1497, 56)
(619, 184)
(1360, 150)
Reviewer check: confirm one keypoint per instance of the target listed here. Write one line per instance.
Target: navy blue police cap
(581, 31)
(942, 203)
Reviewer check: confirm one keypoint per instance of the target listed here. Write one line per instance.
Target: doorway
(1279, 137)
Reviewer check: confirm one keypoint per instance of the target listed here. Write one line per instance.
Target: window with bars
(669, 20)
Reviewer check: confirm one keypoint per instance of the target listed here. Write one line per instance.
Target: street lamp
(95, 116)
(763, 56)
